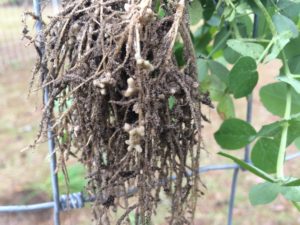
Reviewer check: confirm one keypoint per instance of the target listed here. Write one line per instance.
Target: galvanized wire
(51, 143)
(77, 200)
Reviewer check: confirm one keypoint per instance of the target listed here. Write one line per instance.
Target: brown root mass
(120, 103)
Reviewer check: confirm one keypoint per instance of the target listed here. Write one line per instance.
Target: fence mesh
(12, 48)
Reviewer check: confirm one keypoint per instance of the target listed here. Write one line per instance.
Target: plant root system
(119, 102)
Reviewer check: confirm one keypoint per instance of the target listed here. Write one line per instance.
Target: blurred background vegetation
(15, 2)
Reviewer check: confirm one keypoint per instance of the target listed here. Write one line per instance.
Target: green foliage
(225, 107)
(293, 82)
(208, 8)
(273, 97)
(228, 36)
(270, 130)
(172, 102)
(15, 2)
(258, 172)
(245, 48)
(195, 12)
(234, 134)
(76, 174)
(263, 193)
(264, 154)
(291, 193)
(297, 142)
(77, 182)
(243, 77)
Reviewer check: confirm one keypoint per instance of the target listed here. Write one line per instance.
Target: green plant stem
(287, 115)
(286, 65)
(267, 17)
(281, 154)
(261, 58)
(236, 30)
(283, 140)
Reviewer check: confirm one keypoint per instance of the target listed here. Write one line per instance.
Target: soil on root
(119, 102)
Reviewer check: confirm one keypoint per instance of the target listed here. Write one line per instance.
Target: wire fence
(12, 49)
(16, 52)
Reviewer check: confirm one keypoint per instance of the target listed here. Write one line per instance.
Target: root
(111, 72)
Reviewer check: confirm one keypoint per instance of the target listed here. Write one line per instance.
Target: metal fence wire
(71, 201)
(12, 49)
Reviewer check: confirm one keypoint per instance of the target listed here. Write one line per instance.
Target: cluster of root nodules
(119, 102)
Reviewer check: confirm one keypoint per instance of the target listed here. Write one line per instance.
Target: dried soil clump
(120, 103)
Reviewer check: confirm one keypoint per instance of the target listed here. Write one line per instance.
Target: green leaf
(172, 102)
(270, 130)
(216, 88)
(234, 134)
(273, 97)
(294, 64)
(263, 193)
(221, 38)
(219, 70)
(291, 50)
(293, 183)
(291, 193)
(231, 56)
(161, 12)
(293, 82)
(229, 14)
(286, 30)
(243, 77)
(245, 25)
(289, 8)
(279, 42)
(132, 218)
(202, 38)
(264, 155)
(243, 8)
(202, 68)
(178, 51)
(249, 167)
(285, 25)
(294, 130)
(274, 130)
(252, 50)
(225, 107)
(208, 8)
(195, 12)
(297, 143)
(214, 21)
